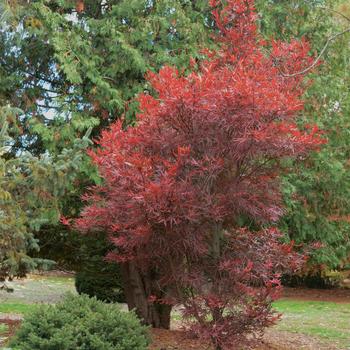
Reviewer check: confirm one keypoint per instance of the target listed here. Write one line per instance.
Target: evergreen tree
(30, 188)
(79, 64)
(317, 191)
(73, 65)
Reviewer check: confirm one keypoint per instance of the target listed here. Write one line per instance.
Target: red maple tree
(203, 159)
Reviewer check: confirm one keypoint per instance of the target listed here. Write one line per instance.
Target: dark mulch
(175, 340)
(179, 340)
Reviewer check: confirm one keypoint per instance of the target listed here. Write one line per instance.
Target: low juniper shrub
(79, 322)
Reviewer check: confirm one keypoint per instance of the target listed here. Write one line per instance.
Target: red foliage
(233, 297)
(205, 153)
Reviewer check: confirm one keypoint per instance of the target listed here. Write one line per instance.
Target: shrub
(104, 283)
(95, 276)
(80, 322)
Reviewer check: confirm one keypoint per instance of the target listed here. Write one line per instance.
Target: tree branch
(337, 12)
(330, 39)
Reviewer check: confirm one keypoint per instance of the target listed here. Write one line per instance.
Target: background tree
(94, 275)
(30, 188)
(316, 192)
(74, 65)
(84, 64)
(205, 155)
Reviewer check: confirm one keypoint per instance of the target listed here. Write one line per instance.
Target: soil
(272, 340)
(175, 340)
(179, 340)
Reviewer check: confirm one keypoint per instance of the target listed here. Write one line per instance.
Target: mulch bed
(272, 340)
(175, 340)
(179, 340)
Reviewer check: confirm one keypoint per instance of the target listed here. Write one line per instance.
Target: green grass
(38, 289)
(30, 293)
(324, 320)
(54, 279)
(17, 307)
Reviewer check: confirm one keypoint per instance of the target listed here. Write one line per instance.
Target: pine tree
(30, 189)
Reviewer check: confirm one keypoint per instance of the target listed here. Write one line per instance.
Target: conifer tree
(73, 65)
(30, 189)
(84, 61)
(317, 192)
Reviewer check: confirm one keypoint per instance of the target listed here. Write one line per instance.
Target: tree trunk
(216, 251)
(138, 287)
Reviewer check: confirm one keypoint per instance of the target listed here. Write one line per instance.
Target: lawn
(327, 322)
(16, 308)
(37, 289)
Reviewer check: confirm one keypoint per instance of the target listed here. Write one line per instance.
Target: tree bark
(138, 287)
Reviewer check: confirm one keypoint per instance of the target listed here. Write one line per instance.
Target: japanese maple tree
(204, 157)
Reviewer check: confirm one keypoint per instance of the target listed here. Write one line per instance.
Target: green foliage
(288, 19)
(74, 70)
(79, 322)
(317, 190)
(104, 285)
(69, 71)
(29, 190)
(318, 280)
